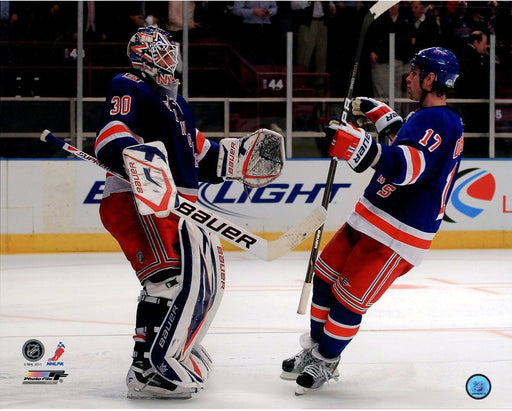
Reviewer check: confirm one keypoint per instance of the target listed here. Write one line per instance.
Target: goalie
(147, 133)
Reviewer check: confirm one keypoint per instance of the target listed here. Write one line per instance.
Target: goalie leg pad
(143, 380)
(172, 318)
(173, 352)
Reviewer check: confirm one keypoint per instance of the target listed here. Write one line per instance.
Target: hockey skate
(147, 384)
(318, 372)
(293, 366)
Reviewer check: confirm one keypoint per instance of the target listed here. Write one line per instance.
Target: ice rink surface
(444, 321)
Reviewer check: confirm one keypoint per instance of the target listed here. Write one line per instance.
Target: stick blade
(381, 6)
(297, 234)
(44, 135)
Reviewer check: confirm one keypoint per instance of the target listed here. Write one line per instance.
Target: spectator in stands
(125, 20)
(257, 44)
(474, 80)
(156, 12)
(342, 44)
(175, 19)
(15, 19)
(425, 31)
(456, 23)
(499, 23)
(90, 29)
(97, 21)
(393, 21)
(57, 21)
(312, 19)
(474, 67)
(217, 21)
(11, 20)
(282, 23)
(479, 16)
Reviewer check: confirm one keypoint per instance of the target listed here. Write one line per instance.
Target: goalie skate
(317, 373)
(149, 385)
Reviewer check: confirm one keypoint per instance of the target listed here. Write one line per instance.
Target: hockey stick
(375, 11)
(202, 217)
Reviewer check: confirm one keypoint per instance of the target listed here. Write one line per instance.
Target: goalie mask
(153, 51)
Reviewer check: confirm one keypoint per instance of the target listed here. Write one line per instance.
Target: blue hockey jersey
(135, 112)
(404, 203)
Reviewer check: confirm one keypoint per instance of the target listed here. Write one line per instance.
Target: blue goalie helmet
(443, 63)
(153, 51)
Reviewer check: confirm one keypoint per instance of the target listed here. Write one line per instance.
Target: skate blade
(301, 390)
(292, 376)
(289, 376)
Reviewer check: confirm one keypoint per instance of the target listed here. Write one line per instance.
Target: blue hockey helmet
(153, 51)
(442, 62)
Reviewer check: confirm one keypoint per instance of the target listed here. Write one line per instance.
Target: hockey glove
(354, 145)
(151, 179)
(386, 120)
(255, 160)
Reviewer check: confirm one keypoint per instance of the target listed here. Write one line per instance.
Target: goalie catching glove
(386, 120)
(354, 145)
(255, 160)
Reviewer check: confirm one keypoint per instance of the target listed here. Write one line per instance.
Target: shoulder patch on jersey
(132, 77)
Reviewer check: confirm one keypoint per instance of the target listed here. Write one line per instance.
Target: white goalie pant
(176, 353)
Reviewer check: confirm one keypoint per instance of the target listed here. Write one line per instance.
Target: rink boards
(52, 205)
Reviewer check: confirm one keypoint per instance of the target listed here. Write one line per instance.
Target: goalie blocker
(151, 179)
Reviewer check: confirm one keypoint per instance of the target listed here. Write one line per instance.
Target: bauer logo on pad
(150, 178)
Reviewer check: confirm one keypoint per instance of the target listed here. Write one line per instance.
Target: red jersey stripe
(200, 140)
(415, 166)
(391, 230)
(112, 129)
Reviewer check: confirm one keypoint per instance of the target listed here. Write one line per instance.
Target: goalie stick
(375, 11)
(223, 228)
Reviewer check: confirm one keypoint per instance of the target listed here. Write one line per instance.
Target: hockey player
(394, 222)
(147, 133)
